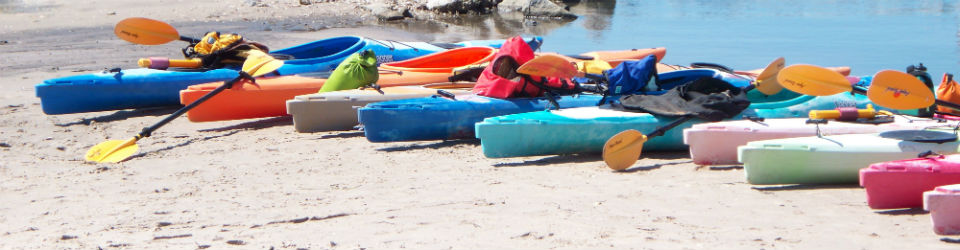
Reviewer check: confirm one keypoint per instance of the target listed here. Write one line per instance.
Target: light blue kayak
(586, 129)
(437, 118)
(142, 87)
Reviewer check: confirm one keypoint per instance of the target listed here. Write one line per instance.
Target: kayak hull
(900, 184)
(337, 110)
(833, 159)
(716, 143)
(268, 97)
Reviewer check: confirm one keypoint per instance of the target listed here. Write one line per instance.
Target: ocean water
(866, 35)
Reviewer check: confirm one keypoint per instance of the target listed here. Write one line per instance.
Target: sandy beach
(258, 184)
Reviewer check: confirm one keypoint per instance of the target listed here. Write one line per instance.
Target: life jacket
(501, 80)
(217, 50)
(948, 91)
(706, 98)
(358, 70)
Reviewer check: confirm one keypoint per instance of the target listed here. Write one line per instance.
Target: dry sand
(257, 184)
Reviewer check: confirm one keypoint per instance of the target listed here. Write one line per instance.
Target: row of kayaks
(771, 138)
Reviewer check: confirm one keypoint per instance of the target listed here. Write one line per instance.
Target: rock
(461, 6)
(305, 2)
(386, 12)
(535, 8)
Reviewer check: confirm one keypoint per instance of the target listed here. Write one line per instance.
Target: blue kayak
(142, 87)
(585, 130)
(438, 118)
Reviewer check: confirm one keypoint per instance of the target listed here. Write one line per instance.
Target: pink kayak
(944, 203)
(900, 184)
(716, 143)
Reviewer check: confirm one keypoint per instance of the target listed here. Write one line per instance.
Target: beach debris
(167, 237)
(67, 237)
(163, 224)
(4, 145)
(236, 242)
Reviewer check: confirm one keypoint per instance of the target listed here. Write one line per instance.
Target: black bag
(706, 98)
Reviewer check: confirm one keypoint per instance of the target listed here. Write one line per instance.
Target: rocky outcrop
(462, 6)
(535, 8)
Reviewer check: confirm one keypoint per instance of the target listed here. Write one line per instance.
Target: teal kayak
(586, 129)
(143, 87)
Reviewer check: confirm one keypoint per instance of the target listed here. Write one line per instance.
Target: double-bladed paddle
(889, 88)
(257, 63)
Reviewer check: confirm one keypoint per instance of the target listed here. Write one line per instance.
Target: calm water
(868, 36)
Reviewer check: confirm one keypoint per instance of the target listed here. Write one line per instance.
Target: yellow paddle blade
(549, 66)
(145, 31)
(112, 151)
(623, 149)
(767, 80)
(593, 66)
(259, 63)
(899, 90)
(813, 80)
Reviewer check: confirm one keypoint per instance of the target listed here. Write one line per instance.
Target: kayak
(440, 118)
(337, 110)
(943, 202)
(900, 184)
(716, 143)
(832, 159)
(143, 87)
(585, 130)
(267, 98)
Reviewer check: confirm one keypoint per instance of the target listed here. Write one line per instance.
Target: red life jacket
(500, 79)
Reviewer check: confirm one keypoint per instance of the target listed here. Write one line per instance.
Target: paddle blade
(623, 149)
(767, 79)
(145, 31)
(112, 151)
(813, 80)
(259, 63)
(899, 90)
(548, 66)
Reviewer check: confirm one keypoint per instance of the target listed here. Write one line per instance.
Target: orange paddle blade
(813, 80)
(145, 31)
(623, 149)
(767, 80)
(549, 66)
(899, 90)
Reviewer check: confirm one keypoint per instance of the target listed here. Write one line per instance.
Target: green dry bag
(356, 71)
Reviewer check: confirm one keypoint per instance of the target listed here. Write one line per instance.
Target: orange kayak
(268, 97)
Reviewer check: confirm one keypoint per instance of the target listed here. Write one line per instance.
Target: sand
(257, 184)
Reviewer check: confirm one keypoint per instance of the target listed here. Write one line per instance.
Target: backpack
(501, 80)
(358, 70)
(217, 50)
(706, 98)
(948, 91)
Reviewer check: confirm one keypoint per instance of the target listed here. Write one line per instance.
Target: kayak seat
(924, 136)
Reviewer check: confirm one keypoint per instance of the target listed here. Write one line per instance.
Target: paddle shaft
(663, 130)
(229, 84)
(190, 40)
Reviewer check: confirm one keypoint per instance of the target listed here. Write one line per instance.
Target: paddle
(889, 88)
(624, 148)
(257, 63)
(147, 31)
